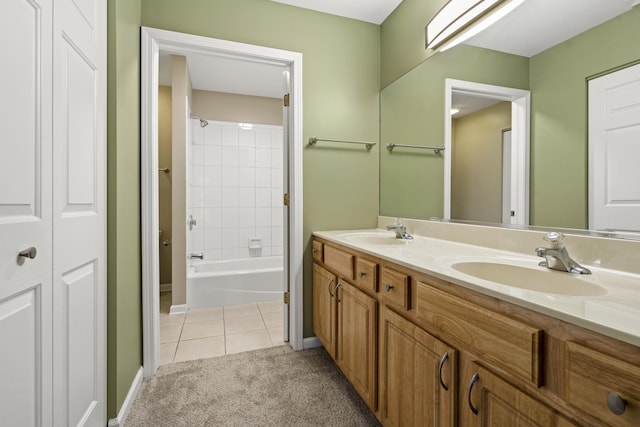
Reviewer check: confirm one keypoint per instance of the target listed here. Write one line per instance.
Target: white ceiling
(470, 104)
(374, 11)
(221, 74)
(537, 25)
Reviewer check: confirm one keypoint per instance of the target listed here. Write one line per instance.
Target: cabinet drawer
(339, 261)
(395, 288)
(508, 343)
(593, 377)
(367, 274)
(317, 251)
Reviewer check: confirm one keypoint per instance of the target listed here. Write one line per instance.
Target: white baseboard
(311, 342)
(165, 287)
(178, 309)
(128, 401)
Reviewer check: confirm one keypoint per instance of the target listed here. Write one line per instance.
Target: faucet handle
(556, 239)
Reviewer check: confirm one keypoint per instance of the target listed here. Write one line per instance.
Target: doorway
(519, 143)
(153, 42)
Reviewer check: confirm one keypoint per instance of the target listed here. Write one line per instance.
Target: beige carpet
(271, 387)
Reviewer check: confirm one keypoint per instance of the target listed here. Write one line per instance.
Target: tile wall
(236, 189)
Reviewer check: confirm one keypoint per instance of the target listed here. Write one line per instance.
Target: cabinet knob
(616, 404)
(388, 287)
(362, 274)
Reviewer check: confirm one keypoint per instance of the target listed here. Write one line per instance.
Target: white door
(25, 213)
(79, 212)
(614, 150)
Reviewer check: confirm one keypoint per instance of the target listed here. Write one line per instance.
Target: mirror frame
(520, 126)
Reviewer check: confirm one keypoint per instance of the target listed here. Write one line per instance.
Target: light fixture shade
(454, 17)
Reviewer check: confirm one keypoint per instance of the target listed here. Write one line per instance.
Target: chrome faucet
(400, 229)
(557, 257)
(196, 256)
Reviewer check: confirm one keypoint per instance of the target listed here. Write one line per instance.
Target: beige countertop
(612, 310)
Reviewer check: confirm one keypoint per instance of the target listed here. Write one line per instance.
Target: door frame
(507, 179)
(520, 128)
(152, 42)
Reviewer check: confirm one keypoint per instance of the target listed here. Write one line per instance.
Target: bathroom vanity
(426, 338)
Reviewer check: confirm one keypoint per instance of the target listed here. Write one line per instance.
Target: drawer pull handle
(474, 379)
(336, 290)
(362, 274)
(388, 287)
(442, 362)
(616, 404)
(329, 288)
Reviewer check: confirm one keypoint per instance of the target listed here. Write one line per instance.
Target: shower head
(203, 122)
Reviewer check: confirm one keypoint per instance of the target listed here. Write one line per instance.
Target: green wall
(559, 147)
(412, 112)
(411, 109)
(402, 38)
(340, 89)
(124, 324)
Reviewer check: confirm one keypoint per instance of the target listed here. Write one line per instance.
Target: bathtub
(235, 281)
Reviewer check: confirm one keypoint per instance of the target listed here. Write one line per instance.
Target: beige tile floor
(211, 332)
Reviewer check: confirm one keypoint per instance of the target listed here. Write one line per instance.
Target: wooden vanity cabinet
(357, 340)
(498, 339)
(418, 375)
(532, 369)
(324, 308)
(345, 320)
(603, 385)
(491, 401)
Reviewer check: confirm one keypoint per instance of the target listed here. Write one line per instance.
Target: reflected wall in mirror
(411, 183)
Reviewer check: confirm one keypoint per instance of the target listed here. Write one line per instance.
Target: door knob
(29, 253)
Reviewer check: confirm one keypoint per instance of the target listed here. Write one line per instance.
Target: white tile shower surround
(236, 189)
(218, 331)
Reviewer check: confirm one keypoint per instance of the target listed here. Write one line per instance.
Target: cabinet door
(357, 340)
(491, 401)
(324, 308)
(418, 375)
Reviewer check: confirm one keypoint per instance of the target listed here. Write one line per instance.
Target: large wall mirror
(412, 111)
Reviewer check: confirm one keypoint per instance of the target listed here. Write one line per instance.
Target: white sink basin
(538, 280)
(374, 238)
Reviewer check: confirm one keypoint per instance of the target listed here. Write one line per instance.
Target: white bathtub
(236, 281)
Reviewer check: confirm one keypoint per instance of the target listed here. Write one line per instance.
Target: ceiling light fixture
(455, 110)
(459, 20)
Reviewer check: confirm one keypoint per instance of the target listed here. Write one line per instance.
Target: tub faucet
(557, 257)
(196, 256)
(400, 229)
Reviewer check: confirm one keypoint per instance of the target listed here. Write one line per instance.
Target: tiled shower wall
(236, 189)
